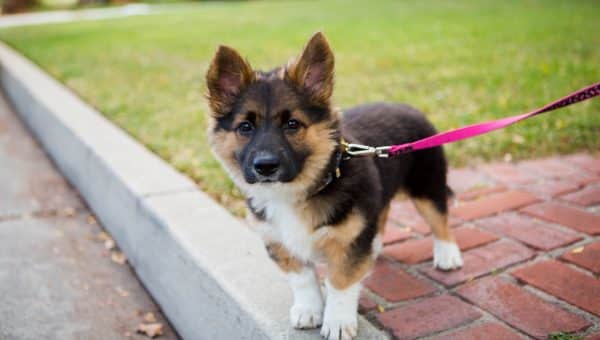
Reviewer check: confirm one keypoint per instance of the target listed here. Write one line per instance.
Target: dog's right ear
(229, 74)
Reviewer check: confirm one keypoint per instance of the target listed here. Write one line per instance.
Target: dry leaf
(380, 308)
(109, 244)
(69, 212)
(118, 257)
(149, 317)
(102, 236)
(122, 292)
(577, 250)
(150, 329)
(91, 220)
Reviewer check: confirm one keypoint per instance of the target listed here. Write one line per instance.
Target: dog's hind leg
(446, 254)
(307, 310)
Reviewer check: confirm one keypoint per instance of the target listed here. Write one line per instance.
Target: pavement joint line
(118, 179)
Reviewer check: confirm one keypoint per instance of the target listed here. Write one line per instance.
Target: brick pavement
(530, 235)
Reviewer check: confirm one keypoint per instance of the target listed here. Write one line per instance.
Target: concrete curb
(208, 272)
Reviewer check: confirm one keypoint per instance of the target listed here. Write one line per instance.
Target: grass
(461, 62)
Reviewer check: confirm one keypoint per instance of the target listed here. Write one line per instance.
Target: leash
(468, 131)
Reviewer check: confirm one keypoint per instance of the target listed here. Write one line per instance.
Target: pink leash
(471, 130)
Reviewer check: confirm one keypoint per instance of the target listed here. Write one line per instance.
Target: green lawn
(459, 61)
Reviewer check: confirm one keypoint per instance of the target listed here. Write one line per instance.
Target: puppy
(280, 139)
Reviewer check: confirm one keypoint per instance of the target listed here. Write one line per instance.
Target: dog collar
(335, 172)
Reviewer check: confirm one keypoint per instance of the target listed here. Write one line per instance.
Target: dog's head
(277, 128)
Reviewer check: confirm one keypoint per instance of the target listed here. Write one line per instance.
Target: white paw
(339, 328)
(446, 255)
(306, 316)
(340, 318)
(307, 310)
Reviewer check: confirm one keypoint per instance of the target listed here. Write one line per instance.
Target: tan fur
(437, 222)
(383, 216)
(317, 58)
(227, 64)
(343, 271)
(283, 258)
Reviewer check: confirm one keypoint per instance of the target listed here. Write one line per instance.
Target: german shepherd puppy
(280, 139)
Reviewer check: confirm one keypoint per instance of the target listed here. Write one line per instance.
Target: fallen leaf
(122, 292)
(69, 212)
(150, 329)
(91, 220)
(149, 317)
(380, 308)
(109, 244)
(118, 257)
(577, 250)
(102, 236)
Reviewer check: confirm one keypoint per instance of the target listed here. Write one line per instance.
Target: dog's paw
(339, 328)
(303, 316)
(446, 255)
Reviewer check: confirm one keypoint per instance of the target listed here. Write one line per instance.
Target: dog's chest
(292, 231)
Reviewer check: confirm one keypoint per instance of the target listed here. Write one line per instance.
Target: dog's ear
(312, 73)
(229, 74)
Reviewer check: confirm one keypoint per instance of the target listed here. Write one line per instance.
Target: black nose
(266, 164)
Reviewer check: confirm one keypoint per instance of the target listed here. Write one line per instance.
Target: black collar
(332, 171)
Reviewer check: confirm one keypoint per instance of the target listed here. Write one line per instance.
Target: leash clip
(365, 150)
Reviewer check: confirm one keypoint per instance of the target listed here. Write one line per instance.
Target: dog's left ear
(312, 73)
(229, 74)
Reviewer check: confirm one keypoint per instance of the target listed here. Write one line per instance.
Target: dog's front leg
(343, 284)
(307, 310)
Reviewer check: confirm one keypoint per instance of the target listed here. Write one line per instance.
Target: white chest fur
(291, 230)
(286, 226)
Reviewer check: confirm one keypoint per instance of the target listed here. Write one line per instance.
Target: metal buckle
(365, 150)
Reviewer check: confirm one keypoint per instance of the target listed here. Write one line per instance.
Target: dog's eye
(245, 128)
(292, 125)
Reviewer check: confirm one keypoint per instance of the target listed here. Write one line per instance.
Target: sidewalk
(530, 233)
(57, 279)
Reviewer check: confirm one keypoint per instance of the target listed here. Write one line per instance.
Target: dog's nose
(266, 164)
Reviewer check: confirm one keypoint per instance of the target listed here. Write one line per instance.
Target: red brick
(551, 187)
(394, 284)
(585, 161)
(394, 234)
(479, 192)
(493, 204)
(481, 261)
(521, 309)
(484, 331)
(428, 316)
(508, 173)
(566, 283)
(588, 258)
(416, 251)
(586, 197)
(586, 180)
(365, 303)
(532, 232)
(461, 180)
(551, 168)
(574, 218)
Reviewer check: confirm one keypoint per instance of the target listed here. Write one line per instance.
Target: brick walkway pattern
(530, 235)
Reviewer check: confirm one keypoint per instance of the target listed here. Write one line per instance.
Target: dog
(280, 139)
